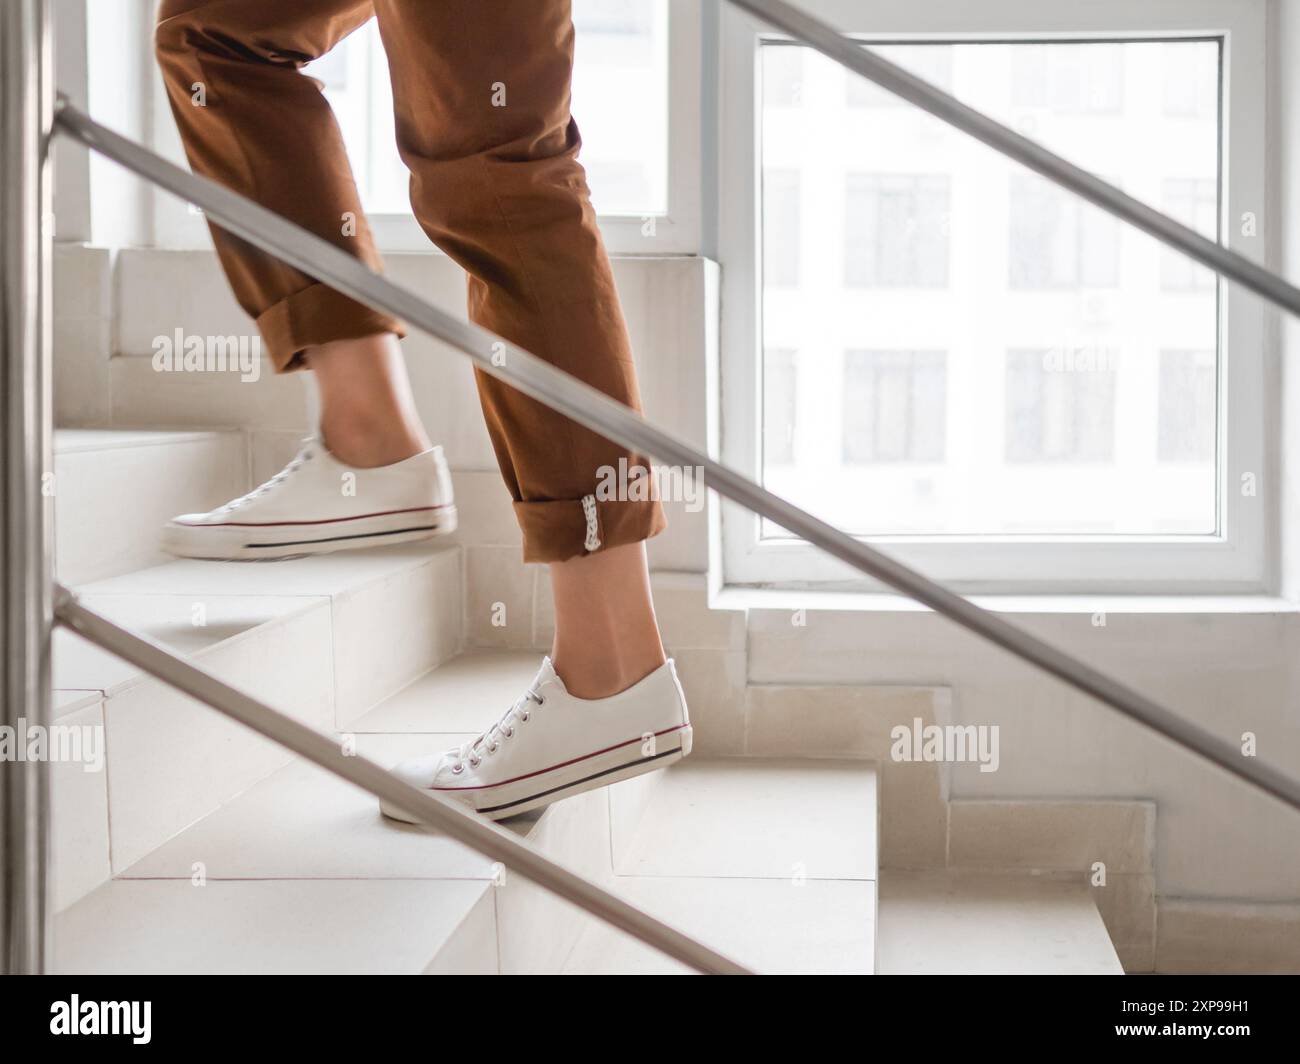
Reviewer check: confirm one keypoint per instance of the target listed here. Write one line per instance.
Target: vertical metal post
(26, 116)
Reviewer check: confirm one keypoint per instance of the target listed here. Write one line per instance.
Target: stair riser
(388, 632)
(172, 760)
(80, 859)
(111, 503)
(537, 930)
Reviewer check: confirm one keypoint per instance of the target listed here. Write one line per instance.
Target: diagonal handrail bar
(584, 404)
(432, 809)
(856, 57)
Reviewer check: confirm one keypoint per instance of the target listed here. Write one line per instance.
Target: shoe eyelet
(541, 701)
(475, 762)
(524, 716)
(457, 768)
(493, 747)
(508, 734)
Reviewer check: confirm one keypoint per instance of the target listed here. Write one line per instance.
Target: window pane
(1060, 407)
(894, 406)
(1187, 413)
(1057, 240)
(780, 402)
(620, 101)
(781, 228)
(979, 351)
(896, 231)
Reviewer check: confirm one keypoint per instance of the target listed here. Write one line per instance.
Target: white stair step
(749, 818)
(772, 926)
(299, 839)
(114, 489)
(394, 611)
(464, 694)
(305, 823)
(326, 639)
(304, 926)
(772, 862)
(989, 923)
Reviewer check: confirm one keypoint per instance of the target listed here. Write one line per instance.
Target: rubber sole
(564, 781)
(264, 542)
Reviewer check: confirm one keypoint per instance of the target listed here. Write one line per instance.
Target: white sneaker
(550, 745)
(316, 505)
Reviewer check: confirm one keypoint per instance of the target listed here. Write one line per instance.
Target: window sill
(735, 597)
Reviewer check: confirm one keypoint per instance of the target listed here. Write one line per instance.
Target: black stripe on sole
(336, 539)
(585, 779)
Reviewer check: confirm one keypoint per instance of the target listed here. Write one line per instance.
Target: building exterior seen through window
(952, 345)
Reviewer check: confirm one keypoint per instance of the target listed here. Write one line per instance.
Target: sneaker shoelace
(521, 711)
(299, 460)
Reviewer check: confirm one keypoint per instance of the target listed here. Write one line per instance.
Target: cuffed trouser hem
(317, 315)
(561, 529)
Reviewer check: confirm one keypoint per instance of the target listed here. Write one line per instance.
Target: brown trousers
(498, 188)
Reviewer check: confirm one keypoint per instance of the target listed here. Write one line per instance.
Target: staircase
(203, 848)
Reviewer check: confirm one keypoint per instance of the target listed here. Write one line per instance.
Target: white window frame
(1241, 559)
(675, 232)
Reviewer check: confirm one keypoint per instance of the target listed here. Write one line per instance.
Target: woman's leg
(606, 635)
(251, 120)
(482, 111)
(367, 414)
(482, 114)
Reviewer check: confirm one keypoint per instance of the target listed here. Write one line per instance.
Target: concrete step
(255, 885)
(990, 923)
(114, 489)
(773, 862)
(324, 639)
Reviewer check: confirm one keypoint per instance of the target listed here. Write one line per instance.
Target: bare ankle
(368, 416)
(588, 676)
(367, 442)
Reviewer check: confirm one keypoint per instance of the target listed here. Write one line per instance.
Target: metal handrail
(538, 379)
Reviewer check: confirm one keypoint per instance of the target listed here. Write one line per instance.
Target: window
(894, 406)
(1003, 383)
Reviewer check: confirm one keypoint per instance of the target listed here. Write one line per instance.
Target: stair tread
(771, 926)
(304, 822)
(751, 818)
(73, 440)
(990, 923)
(322, 574)
(236, 597)
(466, 693)
(307, 926)
(81, 666)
